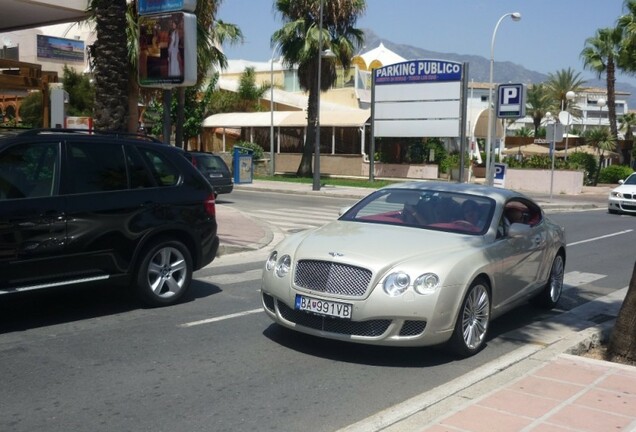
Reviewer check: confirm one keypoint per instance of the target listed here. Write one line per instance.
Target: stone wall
(538, 180)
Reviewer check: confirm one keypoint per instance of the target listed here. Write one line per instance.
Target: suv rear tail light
(210, 205)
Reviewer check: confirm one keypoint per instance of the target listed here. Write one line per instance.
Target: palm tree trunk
(622, 341)
(305, 167)
(611, 97)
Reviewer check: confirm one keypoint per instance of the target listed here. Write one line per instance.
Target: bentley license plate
(323, 307)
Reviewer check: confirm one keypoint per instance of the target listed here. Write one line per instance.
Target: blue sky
(549, 37)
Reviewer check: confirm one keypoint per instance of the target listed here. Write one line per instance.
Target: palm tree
(557, 87)
(600, 55)
(299, 42)
(538, 103)
(110, 61)
(627, 122)
(603, 141)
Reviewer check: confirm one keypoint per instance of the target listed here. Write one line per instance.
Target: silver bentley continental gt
(416, 264)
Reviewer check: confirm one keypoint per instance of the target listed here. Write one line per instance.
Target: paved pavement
(542, 386)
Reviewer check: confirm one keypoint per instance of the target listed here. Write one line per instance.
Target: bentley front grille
(332, 278)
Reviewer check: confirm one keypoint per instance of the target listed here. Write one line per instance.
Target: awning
(346, 118)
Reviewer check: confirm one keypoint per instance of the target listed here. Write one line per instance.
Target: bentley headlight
(271, 261)
(283, 266)
(426, 284)
(396, 283)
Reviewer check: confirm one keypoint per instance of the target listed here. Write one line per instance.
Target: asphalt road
(80, 359)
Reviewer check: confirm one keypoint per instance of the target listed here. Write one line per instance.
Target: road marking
(221, 318)
(600, 238)
(574, 279)
(230, 278)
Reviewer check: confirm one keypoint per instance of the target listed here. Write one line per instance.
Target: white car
(623, 198)
(415, 264)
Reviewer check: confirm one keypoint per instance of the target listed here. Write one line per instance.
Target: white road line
(221, 318)
(229, 278)
(575, 279)
(599, 238)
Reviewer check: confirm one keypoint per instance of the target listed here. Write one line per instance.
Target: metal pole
(516, 16)
(316, 183)
(272, 169)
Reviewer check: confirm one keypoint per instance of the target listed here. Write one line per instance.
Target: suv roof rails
(116, 134)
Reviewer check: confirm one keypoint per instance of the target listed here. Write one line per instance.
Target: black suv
(78, 208)
(214, 169)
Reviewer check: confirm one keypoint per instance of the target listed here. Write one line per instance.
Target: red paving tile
(519, 403)
(584, 419)
(479, 419)
(609, 401)
(546, 387)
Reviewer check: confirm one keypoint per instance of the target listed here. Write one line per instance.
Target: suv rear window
(163, 170)
(95, 167)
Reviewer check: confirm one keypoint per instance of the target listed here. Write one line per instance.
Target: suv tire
(164, 273)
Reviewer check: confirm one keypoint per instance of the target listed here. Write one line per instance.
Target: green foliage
(449, 162)
(585, 162)
(81, 93)
(31, 110)
(415, 153)
(435, 146)
(257, 149)
(524, 132)
(614, 173)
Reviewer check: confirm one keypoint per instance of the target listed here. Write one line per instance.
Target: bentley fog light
(283, 266)
(271, 261)
(396, 283)
(426, 284)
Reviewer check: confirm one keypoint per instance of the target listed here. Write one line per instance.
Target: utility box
(243, 164)
(59, 100)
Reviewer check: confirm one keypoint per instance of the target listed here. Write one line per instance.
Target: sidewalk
(542, 386)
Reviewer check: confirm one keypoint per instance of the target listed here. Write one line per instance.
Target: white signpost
(418, 98)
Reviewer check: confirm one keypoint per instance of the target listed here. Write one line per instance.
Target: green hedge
(614, 173)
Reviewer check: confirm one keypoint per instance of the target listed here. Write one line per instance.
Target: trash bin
(243, 164)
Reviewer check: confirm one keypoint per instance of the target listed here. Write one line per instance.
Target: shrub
(258, 150)
(584, 161)
(614, 173)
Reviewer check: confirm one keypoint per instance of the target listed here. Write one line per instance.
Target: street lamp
(516, 16)
(570, 95)
(272, 169)
(601, 103)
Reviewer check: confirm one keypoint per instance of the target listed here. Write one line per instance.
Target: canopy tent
(589, 150)
(347, 118)
(527, 150)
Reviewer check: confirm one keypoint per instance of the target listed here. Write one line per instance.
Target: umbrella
(527, 150)
(587, 149)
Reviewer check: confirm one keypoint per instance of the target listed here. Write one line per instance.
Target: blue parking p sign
(511, 101)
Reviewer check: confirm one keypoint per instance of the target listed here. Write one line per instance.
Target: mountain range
(479, 69)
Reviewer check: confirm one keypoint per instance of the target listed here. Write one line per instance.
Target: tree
(538, 103)
(627, 122)
(111, 66)
(622, 342)
(31, 110)
(557, 87)
(81, 93)
(600, 55)
(299, 42)
(603, 141)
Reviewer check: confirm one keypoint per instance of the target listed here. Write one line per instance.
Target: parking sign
(511, 100)
(500, 175)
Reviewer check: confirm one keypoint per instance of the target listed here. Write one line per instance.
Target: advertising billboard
(57, 48)
(417, 98)
(167, 50)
